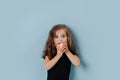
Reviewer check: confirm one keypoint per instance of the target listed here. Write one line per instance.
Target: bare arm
(73, 58)
(50, 63)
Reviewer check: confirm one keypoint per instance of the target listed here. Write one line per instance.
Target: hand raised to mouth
(61, 45)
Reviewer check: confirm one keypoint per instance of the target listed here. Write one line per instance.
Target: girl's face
(60, 37)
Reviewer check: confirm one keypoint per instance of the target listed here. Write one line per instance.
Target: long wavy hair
(50, 49)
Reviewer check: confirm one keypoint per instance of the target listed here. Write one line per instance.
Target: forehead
(60, 32)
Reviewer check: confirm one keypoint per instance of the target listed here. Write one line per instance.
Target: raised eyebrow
(63, 34)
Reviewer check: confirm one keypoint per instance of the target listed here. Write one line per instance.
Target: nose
(60, 40)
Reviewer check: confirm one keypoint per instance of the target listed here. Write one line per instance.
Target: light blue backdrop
(24, 27)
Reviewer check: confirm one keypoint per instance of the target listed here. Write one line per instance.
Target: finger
(63, 50)
(58, 47)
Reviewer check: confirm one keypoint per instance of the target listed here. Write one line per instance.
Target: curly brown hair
(50, 49)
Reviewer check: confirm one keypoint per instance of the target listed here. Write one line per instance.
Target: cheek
(55, 42)
(65, 40)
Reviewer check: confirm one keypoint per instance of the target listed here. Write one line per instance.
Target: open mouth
(61, 45)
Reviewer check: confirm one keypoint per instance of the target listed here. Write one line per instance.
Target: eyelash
(57, 36)
(63, 36)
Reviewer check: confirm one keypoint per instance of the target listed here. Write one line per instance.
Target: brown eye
(55, 36)
(63, 36)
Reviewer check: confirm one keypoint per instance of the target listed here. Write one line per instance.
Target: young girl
(59, 53)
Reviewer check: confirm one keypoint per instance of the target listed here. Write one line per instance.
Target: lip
(60, 43)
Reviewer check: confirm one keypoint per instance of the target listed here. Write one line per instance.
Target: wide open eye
(55, 36)
(63, 36)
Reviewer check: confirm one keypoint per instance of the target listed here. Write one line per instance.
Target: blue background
(24, 27)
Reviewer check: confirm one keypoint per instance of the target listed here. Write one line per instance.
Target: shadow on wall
(83, 64)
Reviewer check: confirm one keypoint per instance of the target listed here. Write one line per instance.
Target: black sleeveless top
(61, 70)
